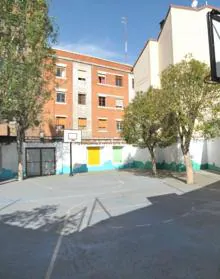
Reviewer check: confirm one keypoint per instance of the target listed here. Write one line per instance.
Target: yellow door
(93, 156)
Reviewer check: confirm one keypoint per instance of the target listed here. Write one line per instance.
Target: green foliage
(189, 98)
(27, 63)
(145, 124)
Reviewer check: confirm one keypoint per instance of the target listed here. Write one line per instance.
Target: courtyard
(116, 224)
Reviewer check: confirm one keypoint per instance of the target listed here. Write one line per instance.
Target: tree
(146, 126)
(192, 102)
(27, 64)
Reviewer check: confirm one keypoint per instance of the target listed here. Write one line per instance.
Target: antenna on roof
(124, 21)
(194, 3)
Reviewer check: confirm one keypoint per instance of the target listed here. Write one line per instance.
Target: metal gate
(40, 161)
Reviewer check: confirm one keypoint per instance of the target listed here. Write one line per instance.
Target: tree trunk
(20, 140)
(153, 161)
(189, 168)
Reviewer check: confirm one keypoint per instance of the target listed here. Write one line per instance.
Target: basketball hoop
(213, 18)
(71, 136)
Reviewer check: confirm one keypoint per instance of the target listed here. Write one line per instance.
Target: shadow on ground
(176, 237)
(161, 174)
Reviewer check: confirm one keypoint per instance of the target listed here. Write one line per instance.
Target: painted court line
(9, 204)
(58, 244)
(144, 225)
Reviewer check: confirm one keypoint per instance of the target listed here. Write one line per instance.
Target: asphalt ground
(119, 224)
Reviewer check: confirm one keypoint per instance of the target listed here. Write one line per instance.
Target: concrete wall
(204, 155)
(8, 160)
(169, 158)
(213, 154)
(80, 158)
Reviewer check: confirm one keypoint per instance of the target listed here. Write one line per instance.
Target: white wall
(165, 45)
(82, 111)
(142, 71)
(131, 91)
(202, 153)
(154, 64)
(213, 147)
(190, 34)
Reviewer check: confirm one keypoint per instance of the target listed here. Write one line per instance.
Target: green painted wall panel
(117, 154)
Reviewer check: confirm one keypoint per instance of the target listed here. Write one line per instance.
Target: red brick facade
(114, 93)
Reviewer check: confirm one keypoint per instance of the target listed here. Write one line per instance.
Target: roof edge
(91, 56)
(165, 18)
(146, 44)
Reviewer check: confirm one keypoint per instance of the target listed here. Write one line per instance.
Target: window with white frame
(82, 123)
(119, 103)
(102, 101)
(102, 123)
(60, 124)
(119, 125)
(118, 81)
(60, 72)
(81, 98)
(82, 75)
(102, 78)
(60, 97)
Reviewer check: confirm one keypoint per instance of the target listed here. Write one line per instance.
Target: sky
(94, 27)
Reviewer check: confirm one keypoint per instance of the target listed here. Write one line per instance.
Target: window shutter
(82, 122)
(82, 74)
(103, 123)
(61, 121)
(119, 103)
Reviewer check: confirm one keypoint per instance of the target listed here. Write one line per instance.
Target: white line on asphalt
(144, 225)
(58, 244)
(117, 228)
(121, 182)
(9, 204)
(168, 221)
(185, 214)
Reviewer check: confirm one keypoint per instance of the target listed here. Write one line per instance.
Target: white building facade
(183, 32)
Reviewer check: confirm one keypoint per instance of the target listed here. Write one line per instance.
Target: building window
(82, 78)
(102, 101)
(81, 99)
(102, 124)
(132, 83)
(60, 125)
(82, 123)
(119, 125)
(118, 81)
(60, 72)
(81, 75)
(61, 97)
(119, 103)
(102, 79)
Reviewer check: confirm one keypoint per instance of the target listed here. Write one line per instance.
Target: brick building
(89, 94)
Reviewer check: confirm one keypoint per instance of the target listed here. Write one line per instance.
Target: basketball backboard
(72, 136)
(214, 43)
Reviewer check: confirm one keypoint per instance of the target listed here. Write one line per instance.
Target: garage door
(93, 156)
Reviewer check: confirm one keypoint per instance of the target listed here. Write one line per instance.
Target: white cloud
(101, 50)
